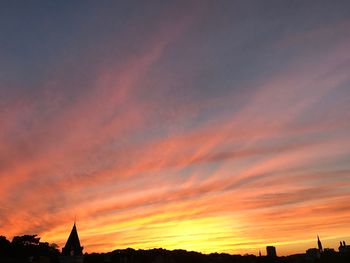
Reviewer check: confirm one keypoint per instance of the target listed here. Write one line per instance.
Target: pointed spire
(259, 253)
(320, 248)
(73, 247)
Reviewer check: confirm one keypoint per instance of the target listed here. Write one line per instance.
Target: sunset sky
(214, 126)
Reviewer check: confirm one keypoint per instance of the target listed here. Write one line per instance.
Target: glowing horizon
(208, 127)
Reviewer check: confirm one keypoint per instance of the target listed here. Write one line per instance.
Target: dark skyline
(30, 248)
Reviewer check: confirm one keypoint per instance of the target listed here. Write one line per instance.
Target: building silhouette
(72, 252)
(319, 244)
(313, 253)
(344, 248)
(271, 251)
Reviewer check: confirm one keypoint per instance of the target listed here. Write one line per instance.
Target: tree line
(27, 248)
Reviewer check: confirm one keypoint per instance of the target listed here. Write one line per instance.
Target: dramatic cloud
(202, 126)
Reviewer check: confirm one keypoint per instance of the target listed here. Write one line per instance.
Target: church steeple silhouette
(73, 247)
(320, 248)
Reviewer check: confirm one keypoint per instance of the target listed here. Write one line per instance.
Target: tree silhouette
(27, 248)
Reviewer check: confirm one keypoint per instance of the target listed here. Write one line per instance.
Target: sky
(213, 126)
